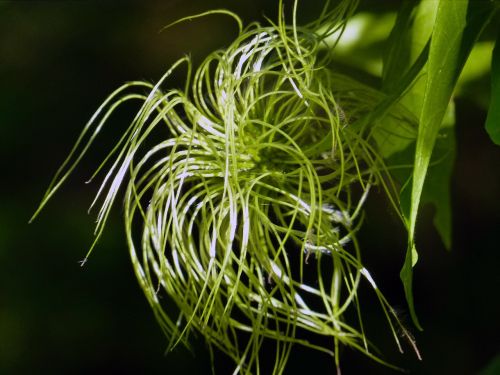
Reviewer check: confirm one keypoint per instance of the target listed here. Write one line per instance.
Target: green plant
(249, 183)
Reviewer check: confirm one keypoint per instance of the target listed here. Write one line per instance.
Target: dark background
(58, 61)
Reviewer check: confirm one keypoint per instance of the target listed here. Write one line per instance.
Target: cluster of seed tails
(248, 186)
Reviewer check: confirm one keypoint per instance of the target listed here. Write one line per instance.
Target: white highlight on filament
(366, 274)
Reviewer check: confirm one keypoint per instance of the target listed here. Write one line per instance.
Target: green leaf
(408, 42)
(436, 191)
(438, 181)
(409, 38)
(457, 27)
(397, 57)
(437, 187)
(493, 119)
(478, 64)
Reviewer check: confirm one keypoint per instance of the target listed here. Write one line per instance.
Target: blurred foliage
(59, 59)
(493, 119)
(493, 368)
